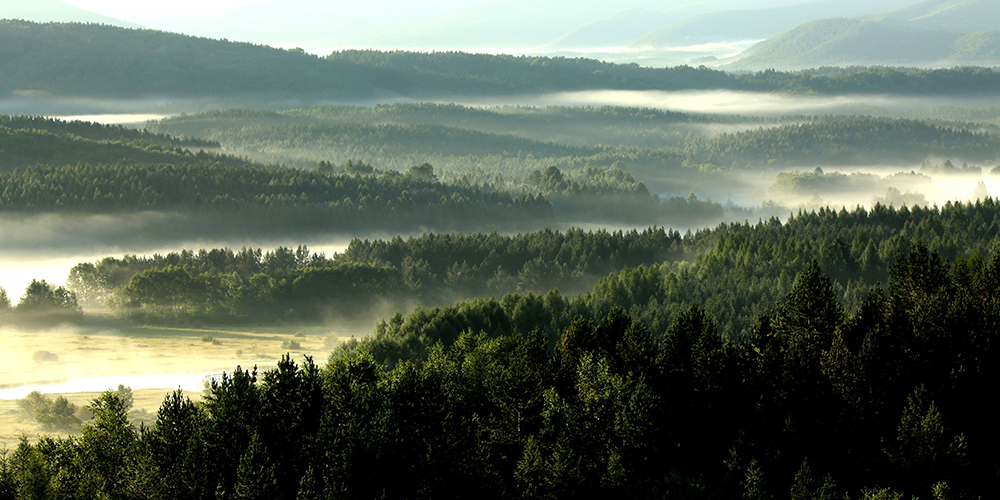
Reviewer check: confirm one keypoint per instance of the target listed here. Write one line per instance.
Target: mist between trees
(735, 270)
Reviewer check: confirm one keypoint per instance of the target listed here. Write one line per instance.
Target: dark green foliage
(31, 147)
(846, 141)
(177, 447)
(734, 272)
(337, 201)
(90, 60)
(223, 285)
(57, 414)
(602, 408)
(43, 304)
(483, 73)
(100, 133)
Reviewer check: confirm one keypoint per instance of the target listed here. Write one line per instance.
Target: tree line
(514, 142)
(849, 140)
(223, 285)
(99, 132)
(33, 147)
(736, 272)
(280, 198)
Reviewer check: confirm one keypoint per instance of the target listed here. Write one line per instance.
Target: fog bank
(737, 102)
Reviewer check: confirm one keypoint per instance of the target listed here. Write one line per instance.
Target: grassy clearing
(14, 424)
(118, 354)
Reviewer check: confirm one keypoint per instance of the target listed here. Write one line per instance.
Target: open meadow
(79, 362)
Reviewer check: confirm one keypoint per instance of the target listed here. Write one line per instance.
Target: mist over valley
(303, 250)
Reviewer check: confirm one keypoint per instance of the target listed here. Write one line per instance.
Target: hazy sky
(156, 13)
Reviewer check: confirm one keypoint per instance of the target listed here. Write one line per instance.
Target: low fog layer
(858, 186)
(47, 246)
(185, 381)
(692, 101)
(741, 103)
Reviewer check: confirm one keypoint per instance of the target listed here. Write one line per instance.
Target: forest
(815, 400)
(47, 167)
(489, 275)
(644, 142)
(829, 354)
(100, 61)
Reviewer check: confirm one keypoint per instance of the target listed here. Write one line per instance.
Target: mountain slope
(937, 33)
(840, 42)
(98, 64)
(755, 24)
(110, 62)
(958, 16)
(617, 30)
(981, 48)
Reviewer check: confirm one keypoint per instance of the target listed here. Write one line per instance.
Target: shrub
(58, 414)
(45, 357)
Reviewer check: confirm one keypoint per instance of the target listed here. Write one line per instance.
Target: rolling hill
(755, 24)
(53, 62)
(937, 33)
(958, 16)
(617, 30)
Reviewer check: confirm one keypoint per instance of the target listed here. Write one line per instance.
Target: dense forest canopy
(735, 271)
(814, 401)
(55, 166)
(647, 143)
(222, 285)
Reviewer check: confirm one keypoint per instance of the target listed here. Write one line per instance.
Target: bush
(45, 357)
(58, 414)
(291, 344)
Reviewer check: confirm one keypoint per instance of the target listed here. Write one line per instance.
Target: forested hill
(379, 141)
(482, 73)
(66, 60)
(648, 142)
(847, 140)
(579, 126)
(553, 397)
(30, 147)
(740, 272)
(275, 200)
(109, 62)
(99, 132)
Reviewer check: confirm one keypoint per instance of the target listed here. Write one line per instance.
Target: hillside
(617, 30)
(958, 16)
(27, 142)
(755, 24)
(939, 33)
(110, 62)
(54, 61)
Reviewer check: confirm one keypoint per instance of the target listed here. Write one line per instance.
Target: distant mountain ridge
(54, 11)
(936, 33)
(755, 24)
(57, 62)
(467, 25)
